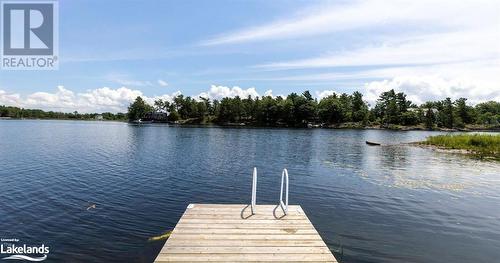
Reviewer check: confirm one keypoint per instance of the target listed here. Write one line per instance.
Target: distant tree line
(20, 113)
(392, 109)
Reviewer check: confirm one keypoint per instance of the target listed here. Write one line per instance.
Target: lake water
(370, 204)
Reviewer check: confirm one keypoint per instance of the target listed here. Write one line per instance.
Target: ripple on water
(380, 204)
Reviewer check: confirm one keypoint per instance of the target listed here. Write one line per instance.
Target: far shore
(342, 126)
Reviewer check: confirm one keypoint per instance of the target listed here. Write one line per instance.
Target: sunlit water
(370, 204)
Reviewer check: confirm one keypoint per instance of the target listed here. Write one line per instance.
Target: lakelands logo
(23, 252)
(29, 35)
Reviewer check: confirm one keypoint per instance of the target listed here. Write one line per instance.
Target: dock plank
(245, 237)
(238, 231)
(246, 226)
(245, 257)
(245, 250)
(230, 233)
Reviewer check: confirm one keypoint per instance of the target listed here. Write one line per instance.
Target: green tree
(268, 111)
(359, 108)
(329, 109)
(226, 111)
(138, 109)
(447, 113)
(387, 108)
(464, 112)
(304, 108)
(161, 105)
(345, 107)
(402, 102)
(488, 113)
(178, 101)
(206, 108)
(173, 115)
(429, 116)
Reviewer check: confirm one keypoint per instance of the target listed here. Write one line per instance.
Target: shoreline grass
(481, 145)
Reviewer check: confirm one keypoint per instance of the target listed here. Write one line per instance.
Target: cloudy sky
(113, 51)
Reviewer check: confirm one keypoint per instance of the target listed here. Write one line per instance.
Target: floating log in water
(372, 143)
(161, 237)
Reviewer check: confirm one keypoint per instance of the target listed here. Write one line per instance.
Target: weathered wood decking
(211, 232)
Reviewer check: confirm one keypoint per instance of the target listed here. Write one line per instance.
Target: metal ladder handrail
(284, 206)
(254, 190)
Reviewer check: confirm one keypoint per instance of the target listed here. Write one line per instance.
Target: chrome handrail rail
(284, 206)
(254, 190)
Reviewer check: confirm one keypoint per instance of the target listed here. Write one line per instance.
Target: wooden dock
(230, 233)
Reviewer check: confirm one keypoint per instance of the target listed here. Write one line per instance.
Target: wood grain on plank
(230, 233)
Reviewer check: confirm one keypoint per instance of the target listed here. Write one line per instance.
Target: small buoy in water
(161, 237)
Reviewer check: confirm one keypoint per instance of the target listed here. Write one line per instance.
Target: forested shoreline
(392, 111)
(21, 113)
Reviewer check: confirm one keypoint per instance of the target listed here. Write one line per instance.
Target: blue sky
(112, 51)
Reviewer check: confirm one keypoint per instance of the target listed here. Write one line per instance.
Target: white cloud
(105, 99)
(96, 100)
(429, 88)
(165, 97)
(62, 98)
(440, 47)
(125, 80)
(9, 99)
(366, 14)
(443, 48)
(219, 92)
(418, 88)
(162, 83)
(484, 72)
(325, 93)
(269, 93)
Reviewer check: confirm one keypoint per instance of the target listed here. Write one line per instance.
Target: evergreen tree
(447, 113)
(138, 109)
(359, 108)
(464, 112)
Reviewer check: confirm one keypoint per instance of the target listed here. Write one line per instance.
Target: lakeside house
(155, 117)
(99, 117)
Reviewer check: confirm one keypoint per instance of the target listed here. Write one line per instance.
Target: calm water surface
(371, 204)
